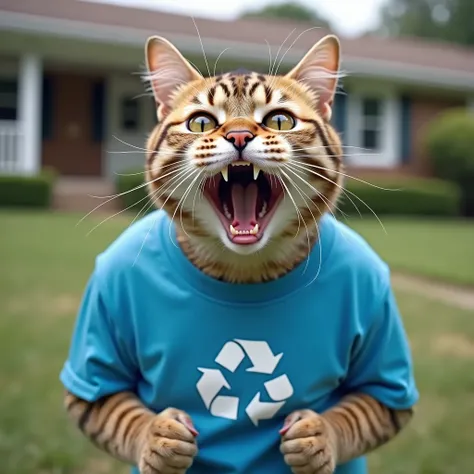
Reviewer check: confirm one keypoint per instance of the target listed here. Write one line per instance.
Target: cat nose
(239, 138)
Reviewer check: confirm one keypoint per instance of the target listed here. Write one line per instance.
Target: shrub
(27, 191)
(402, 196)
(137, 199)
(449, 142)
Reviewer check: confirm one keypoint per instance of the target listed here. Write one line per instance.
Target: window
(371, 123)
(8, 99)
(130, 114)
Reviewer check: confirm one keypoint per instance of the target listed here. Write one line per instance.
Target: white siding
(124, 149)
(390, 150)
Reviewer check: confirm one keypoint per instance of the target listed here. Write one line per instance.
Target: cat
(247, 169)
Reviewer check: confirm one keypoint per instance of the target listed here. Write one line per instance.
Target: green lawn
(437, 249)
(46, 261)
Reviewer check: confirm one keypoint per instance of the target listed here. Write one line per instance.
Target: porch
(80, 121)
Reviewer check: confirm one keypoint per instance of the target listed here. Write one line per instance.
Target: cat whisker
(140, 152)
(156, 196)
(147, 206)
(300, 217)
(316, 225)
(181, 203)
(116, 214)
(348, 176)
(291, 46)
(130, 145)
(269, 56)
(177, 186)
(202, 46)
(302, 194)
(115, 196)
(161, 167)
(321, 195)
(200, 190)
(298, 212)
(217, 60)
(345, 191)
(270, 71)
(323, 147)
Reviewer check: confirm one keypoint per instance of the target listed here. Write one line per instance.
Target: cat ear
(167, 70)
(319, 69)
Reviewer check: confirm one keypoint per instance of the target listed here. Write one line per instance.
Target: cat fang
(244, 198)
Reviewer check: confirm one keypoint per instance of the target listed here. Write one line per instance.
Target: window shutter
(405, 129)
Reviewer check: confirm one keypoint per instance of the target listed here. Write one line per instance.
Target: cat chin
(247, 249)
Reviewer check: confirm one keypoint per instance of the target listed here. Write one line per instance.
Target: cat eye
(202, 123)
(279, 121)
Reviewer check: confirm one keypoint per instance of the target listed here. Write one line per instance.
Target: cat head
(244, 159)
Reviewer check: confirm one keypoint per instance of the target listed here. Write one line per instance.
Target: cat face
(243, 158)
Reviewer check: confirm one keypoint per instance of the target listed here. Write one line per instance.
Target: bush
(449, 142)
(137, 199)
(402, 196)
(27, 191)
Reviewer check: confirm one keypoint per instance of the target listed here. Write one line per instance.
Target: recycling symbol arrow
(264, 361)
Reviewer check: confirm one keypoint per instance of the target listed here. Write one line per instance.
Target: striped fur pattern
(165, 443)
(306, 159)
(123, 427)
(315, 443)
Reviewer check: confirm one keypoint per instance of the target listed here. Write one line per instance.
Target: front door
(73, 112)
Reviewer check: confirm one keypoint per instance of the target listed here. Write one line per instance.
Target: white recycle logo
(230, 357)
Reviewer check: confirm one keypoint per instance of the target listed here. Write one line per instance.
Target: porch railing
(10, 143)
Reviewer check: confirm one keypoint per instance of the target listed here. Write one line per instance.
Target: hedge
(27, 191)
(136, 200)
(401, 196)
(449, 141)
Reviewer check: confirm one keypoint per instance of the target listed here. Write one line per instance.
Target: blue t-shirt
(239, 358)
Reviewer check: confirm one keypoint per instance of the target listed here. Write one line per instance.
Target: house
(71, 95)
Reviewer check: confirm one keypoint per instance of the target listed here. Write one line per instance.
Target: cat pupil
(203, 122)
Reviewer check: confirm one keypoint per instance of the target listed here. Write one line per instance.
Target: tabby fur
(308, 159)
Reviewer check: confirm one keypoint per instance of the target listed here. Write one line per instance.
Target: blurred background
(74, 118)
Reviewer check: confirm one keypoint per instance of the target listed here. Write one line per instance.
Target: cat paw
(170, 445)
(307, 443)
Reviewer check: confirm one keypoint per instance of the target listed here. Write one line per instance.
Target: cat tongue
(244, 201)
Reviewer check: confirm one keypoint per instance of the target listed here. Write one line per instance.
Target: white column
(29, 108)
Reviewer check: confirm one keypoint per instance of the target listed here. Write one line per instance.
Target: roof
(412, 59)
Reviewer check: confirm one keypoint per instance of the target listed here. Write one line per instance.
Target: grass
(46, 261)
(437, 249)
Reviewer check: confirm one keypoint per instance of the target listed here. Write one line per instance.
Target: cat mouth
(245, 199)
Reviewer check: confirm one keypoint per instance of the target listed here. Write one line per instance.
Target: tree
(447, 20)
(288, 11)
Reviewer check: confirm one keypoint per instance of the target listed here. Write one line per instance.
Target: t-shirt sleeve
(99, 361)
(381, 364)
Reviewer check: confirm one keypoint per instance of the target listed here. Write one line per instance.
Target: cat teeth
(263, 211)
(253, 231)
(225, 171)
(226, 211)
(240, 163)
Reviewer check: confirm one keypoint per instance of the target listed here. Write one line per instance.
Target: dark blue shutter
(339, 114)
(405, 129)
(98, 110)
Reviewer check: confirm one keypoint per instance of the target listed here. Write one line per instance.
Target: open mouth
(245, 199)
